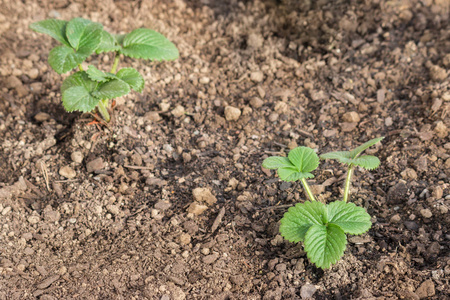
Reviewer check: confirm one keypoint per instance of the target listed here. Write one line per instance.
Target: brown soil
(120, 227)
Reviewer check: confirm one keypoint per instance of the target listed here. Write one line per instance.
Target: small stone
(232, 113)
(426, 289)
(256, 102)
(237, 279)
(307, 291)
(77, 157)
(154, 181)
(164, 106)
(95, 165)
(388, 121)
(114, 209)
(441, 130)
(13, 82)
(186, 157)
(185, 239)
(196, 208)
(33, 73)
(67, 172)
(351, 117)
(178, 111)
(426, 213)
(348, 127)
(33, 219)
(409, 173)
(168, 148)
(280, 267)
(411, 225)
(204, 80)
(397, 194)
(209, 259)
(395, 218)
(437, 73)
(273, 117)
(47, 282)
(41, 116)
(152, 116)
(255, 40)
(257, 76)
(329, 133)
(52, 216)
(438, 192)
(204, 195)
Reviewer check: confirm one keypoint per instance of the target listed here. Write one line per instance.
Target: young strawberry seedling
(322, 227)
(87, 89)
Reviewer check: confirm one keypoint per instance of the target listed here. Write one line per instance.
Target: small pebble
(307, 291)
(257, 76)
(232, 113)
(178, 111)
(77, 157)
(42, 116)
(426, 213)
(351, 117)
(67, 172)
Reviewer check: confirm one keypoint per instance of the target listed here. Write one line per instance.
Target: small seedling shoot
(92, 88)
(322, 227)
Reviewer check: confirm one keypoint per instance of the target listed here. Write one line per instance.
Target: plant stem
(307, 189)
(347, 183)
(80, 67)
(116, 63)
(103, 110)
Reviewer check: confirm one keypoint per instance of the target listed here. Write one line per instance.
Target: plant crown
(80, 38)
(322, 227)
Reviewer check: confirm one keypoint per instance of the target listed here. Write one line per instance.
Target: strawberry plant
(88, 89)
(322, 227)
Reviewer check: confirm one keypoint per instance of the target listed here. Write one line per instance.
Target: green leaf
(112, 89)
(77, 93)
(368, 162)
(349, 217)
(99, 76)
(52, 27)
(304, 158)
(358, 150)
(325, 244)
(63, 59)
(275, 162)
(341, 156)
(78, 98)
(298, 219)
(79, 79)
(107, 43)
(353, 157)
(148, 44)
(291, 174)
(132, 77)
(84, 35)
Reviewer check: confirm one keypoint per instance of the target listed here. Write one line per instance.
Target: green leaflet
(99, 76)
(276, 162)
(77, 93)
(78, 98)
(148, 44)
(299, 218)
(322, 228)
(84, 35)
(349, 217)
(358, 150)
(132, 77)
(353, 157)
(298, 165)
(52, 27)
(107, 43)
(304, 158)
(112, 89)
(63, 59)
(325, 245)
